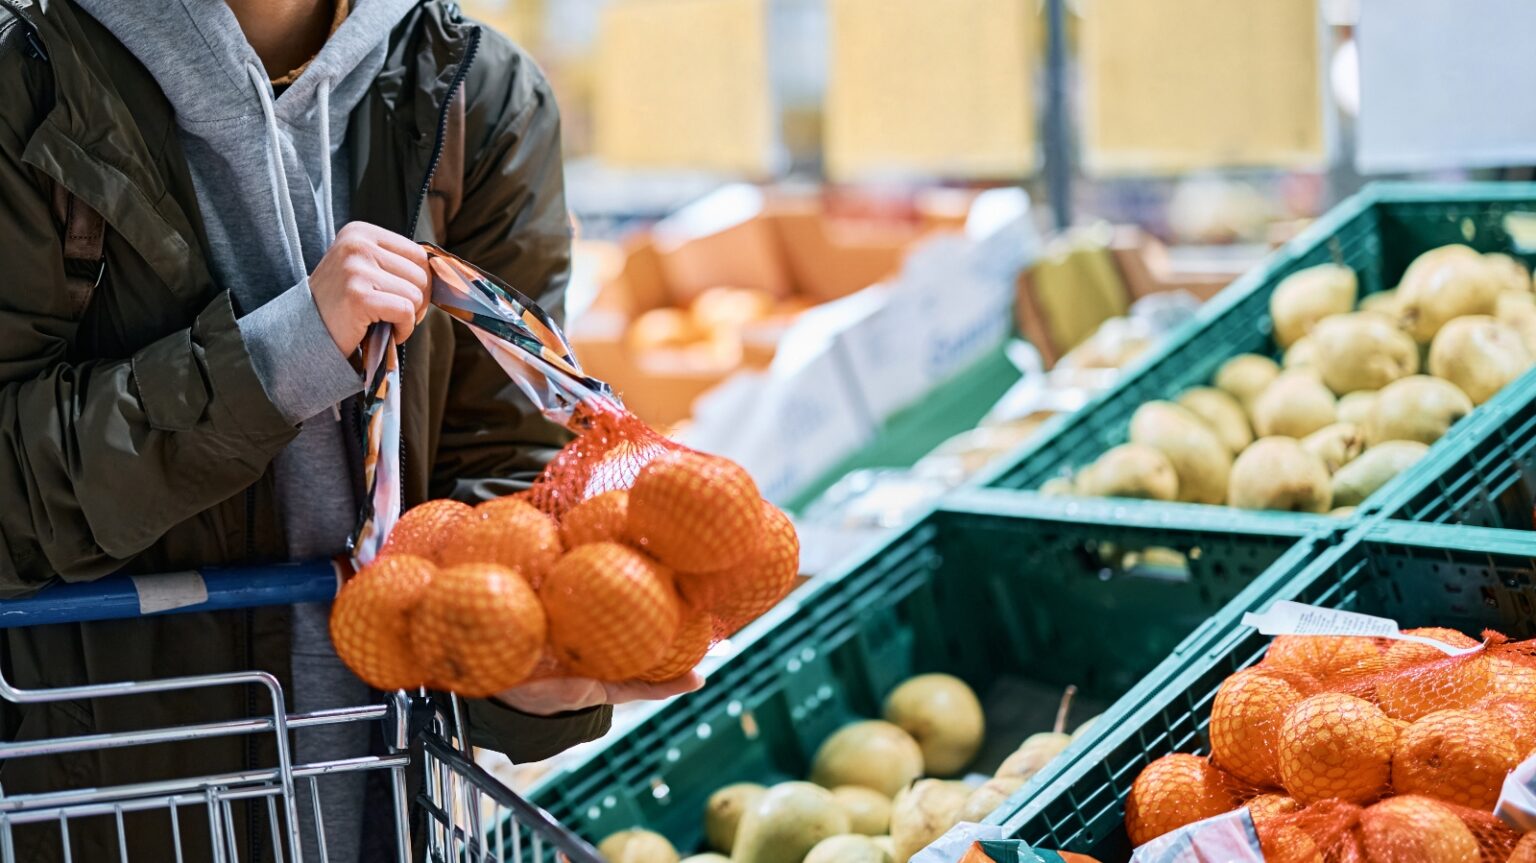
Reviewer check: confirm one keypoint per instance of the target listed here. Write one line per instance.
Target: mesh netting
(1359, 749)
(642, 554)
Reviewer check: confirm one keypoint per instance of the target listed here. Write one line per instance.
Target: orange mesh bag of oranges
(1358, 748)
(626, 559)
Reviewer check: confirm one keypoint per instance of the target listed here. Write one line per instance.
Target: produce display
(1359, 749)
(1363, 387)
(879, 790)
(627, 560)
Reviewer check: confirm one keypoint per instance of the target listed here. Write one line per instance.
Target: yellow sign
(684, 83)
(931, 87)
(518, 20)
(1174, 85)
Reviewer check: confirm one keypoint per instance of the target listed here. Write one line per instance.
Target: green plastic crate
(1467, 578)
(1378, 232)
(1014, 593)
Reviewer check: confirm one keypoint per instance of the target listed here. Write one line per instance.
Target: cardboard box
(1064, 297)
(831, 258)
(725, 239)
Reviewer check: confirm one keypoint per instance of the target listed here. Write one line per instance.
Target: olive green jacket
(136, 435)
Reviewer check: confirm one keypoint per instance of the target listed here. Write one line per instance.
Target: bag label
(1296, 618)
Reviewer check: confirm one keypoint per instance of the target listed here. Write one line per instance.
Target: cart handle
(119, 597)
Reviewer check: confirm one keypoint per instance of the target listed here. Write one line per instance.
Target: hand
(565, 694)
(369, 275)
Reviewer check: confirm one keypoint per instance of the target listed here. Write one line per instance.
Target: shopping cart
(468, 815)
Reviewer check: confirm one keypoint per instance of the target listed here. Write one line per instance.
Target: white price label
(1295, 618)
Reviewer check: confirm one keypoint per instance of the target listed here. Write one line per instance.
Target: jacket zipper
(28, 31)
(470, 46)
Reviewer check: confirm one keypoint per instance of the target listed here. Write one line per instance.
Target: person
(204, 206)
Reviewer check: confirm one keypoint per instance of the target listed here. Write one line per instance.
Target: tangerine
(599, 518)
(1525, 850)
(1245, 721)
(695, 512)
(1321, 655)
(613, 611)
(1458, 756)
(423, 528)
(508, 532)
(479, 630)
(687, 650)
(1336, 745)
(1266, 809)
(742, 593)
(1173, 791)
(1518, 714)
(1412, 829)
(1423, 679)
(371, 621)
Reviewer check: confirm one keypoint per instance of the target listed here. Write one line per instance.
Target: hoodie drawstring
(277, 175)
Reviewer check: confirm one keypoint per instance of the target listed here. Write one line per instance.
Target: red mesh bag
(1350, 748)
(642, 552)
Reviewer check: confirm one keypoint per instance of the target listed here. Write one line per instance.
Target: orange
(1422, 679)
(1336, 745)
(599, 518)
(1512, 674)
(1410, 829)
(1285, 843)
(1320, 655)
(687, 649)
(423, 528)
(741, 593)
(479, 630)
(1245, 721)
(1459, 756)
(1266, 809)
(371, 621)
(1525, 850)
(695, 512)
(1173, 791)
(507, 532)
(1519, 717)
(613, 611)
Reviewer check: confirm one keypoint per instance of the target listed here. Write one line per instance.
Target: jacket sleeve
(512, 222)
(99, 459)
(526, 738)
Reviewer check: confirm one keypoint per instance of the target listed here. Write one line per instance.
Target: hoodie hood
(269, 170)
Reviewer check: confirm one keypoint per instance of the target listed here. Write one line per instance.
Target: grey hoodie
(272, 182)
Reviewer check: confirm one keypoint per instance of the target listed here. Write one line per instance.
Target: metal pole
(1058, 141)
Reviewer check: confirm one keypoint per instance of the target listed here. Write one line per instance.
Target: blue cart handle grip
(119, 597)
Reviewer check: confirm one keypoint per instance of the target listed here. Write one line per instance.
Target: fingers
(555, 695)
(403, 268)
(406, 248)
(392, 309)
(393, 284)
(639, 690)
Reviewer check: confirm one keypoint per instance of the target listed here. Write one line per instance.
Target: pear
(1355, 407)
(923, 813)
(1295, 405)
(1418, 408)
(1335, 445)
(1277, 473)
(1307, 296)
(1060, 486)
(1084, 727)
(1130, 470)
(1446, 283)
(873, 754)
(1519, 311)
(637, 846)
(1034, 754)
(723, 811)
(986, 797)
(1512, 274)
(847, 849)
(886, 845)
(1222, 412)
(707, 858)
(1385, 302)
(1374, 468)
(1341, 512)
(1300, 355)
(1245, 376)
(868, 811)
(1362, 351)
(786, 823)
(1479, 355)
(1198, 456)
(943, 715)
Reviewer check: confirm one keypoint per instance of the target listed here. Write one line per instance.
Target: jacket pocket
(174, 393)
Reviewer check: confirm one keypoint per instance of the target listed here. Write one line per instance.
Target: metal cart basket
(468, 814)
